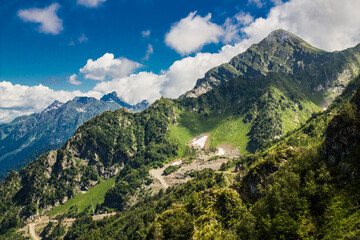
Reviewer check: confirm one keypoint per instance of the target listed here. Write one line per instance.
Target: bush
(171, 169)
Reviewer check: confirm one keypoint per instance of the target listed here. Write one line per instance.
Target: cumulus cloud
(149, 51)
(90, 3)
(17, 100)
(134, 88)
(108, 66)
(49, 21)
(182, 74)
(190, 34)
(232, 26)
(73, 80)
(327, 24)
(179, 78)
(145, 33)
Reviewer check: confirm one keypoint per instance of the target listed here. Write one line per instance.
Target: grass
(293, 119)
(288, 117)
(226, 129)
(83, 201)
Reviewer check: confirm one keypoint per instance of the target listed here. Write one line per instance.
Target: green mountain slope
(323, 74)
(114, 143)
(288, 193)
(27, 137)
(268, 106)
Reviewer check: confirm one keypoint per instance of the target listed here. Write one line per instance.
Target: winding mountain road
(32, 226)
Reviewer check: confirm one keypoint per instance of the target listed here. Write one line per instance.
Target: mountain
(140, 106)
(27, 137)
(273, 119)
(283, 192)
(113, 97)
(321, 73)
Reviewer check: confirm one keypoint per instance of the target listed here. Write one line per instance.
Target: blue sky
(144, 49)
(31, 57)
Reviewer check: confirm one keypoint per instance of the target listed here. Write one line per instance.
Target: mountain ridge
(291, 58)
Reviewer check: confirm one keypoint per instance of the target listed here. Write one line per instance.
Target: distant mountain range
(27, 137)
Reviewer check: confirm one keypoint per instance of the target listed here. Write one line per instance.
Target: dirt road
(67, 221)
(32, 231)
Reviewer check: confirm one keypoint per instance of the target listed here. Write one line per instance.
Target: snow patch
(200, 142)
(220, 151)
(176, 163)
(80, 110)
(53, 107)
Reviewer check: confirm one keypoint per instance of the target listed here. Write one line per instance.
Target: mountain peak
(282, 37)
(55, 105)
(281, 33)
(113, 97)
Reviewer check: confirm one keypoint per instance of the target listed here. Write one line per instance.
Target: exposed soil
(204, 159)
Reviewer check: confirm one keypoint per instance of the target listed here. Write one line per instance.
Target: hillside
(287, 193)
(27, 137)
(257, 114)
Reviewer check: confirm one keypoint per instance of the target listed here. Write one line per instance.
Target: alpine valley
(266, 146)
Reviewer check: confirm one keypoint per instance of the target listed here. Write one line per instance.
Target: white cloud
(145, 33)
(327, 24)
(182, 74)
(108, 66)
(49, 21)
(190, 34)
(73, 80)
(17, 100)
(149, 51)
(90, 3)
(179, 78)
(232, 26)
(82, 38)
(134, 88)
